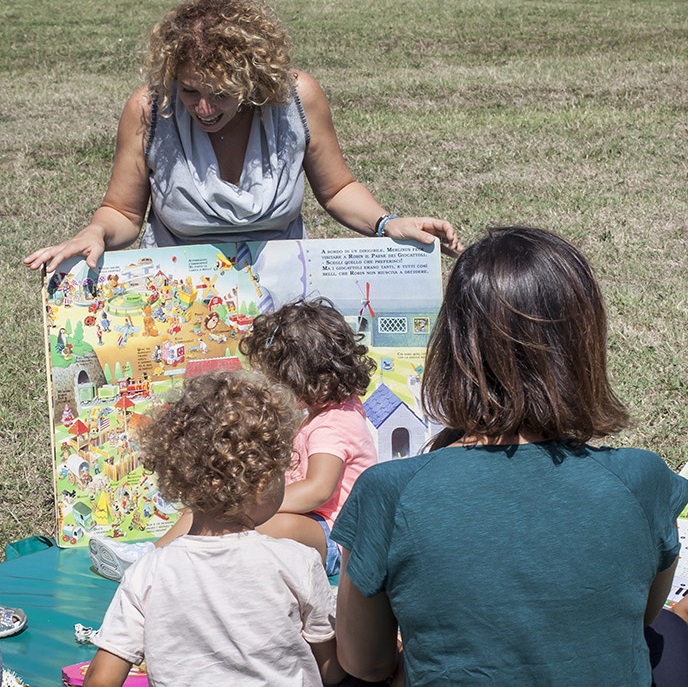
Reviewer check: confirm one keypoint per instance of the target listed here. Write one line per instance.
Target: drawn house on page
(400, 432)
(395, 328)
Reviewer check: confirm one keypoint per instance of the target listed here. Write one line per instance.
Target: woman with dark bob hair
(219, 140)
(514, 553)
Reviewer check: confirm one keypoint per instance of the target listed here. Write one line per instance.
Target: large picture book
(122, 336)
(679, 587)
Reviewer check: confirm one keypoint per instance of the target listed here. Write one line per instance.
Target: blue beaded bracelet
(380, 224)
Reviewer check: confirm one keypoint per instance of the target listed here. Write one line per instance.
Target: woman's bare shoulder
(137, 110)
(140, 101)
(312, 96)
(308, 88)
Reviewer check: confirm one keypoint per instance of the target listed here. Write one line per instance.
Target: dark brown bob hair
(519, 346)
(309, 347)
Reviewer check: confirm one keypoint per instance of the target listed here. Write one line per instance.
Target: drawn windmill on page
(361, 324)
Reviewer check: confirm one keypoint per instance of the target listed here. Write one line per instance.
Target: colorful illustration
(122, 336)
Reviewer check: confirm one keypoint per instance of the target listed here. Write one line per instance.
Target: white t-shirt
(233, 610)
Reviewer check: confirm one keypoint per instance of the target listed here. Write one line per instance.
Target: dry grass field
(570, 115)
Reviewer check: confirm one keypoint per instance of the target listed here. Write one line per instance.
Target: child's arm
(681, 608)
(322, 478)
(106, 670)
(326, 657)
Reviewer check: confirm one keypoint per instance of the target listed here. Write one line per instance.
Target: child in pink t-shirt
(309, 347)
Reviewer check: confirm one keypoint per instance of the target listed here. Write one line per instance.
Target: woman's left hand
(424, 230)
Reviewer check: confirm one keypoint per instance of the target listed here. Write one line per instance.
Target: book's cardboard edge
(51, 404)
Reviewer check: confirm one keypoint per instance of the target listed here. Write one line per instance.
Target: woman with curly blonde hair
(219, 140)
(222, 449)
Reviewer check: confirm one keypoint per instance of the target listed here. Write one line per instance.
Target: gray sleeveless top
(190, 203)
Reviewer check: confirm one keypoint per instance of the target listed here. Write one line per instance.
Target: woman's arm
(366, 631)
(659, 591)
(322, 478)
(118, 220)
(106, 670)
(336, 188)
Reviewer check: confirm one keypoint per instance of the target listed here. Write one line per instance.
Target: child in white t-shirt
(309, 347)
(223, 604)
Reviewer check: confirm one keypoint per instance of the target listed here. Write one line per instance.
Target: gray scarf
(190, 203)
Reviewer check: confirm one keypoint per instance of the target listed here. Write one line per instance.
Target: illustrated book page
(679, 587)
(121, 337)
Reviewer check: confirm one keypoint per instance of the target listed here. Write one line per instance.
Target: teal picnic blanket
(56, 589)
(24, 547)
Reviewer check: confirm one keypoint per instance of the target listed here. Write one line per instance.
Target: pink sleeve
(330, 434)
(342, 432)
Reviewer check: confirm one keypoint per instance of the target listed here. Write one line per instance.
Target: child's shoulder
(260, 549)
(286, 547)
(349, 410)
(352, 404)
(292, 558)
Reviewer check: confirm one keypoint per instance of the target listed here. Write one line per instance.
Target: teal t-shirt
(516, 566)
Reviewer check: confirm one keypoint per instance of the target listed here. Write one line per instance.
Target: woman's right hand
(89, 242)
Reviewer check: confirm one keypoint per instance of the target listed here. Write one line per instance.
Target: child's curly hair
(222, 443)
(237, 47)
(309, 347)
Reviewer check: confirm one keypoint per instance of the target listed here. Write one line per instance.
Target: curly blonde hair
(222, 443)
(236, 47)
(309, 347)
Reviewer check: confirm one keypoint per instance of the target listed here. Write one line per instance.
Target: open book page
(120, 338)
(679, 588)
